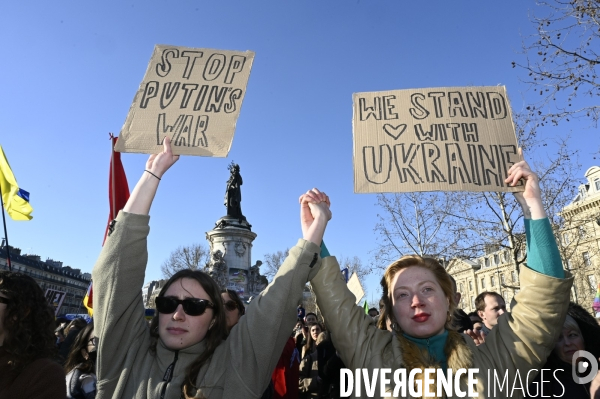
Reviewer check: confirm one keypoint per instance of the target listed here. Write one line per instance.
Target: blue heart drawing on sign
(394, 131)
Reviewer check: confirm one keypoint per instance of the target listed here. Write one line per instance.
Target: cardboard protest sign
(436, 139)
(355, 287)
(55, 299)
(193, 96)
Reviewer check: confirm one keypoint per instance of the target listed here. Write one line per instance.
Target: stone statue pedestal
(233, 237)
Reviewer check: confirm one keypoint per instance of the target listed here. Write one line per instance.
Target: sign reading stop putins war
(191, 95)
(435, 139)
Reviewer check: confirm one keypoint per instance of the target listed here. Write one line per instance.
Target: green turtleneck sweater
(434, 345)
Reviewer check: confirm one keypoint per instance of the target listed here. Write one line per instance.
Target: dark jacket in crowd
(559, 382)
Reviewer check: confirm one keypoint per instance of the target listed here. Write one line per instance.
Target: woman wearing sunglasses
(81, 365)
(186, 352)
(234, 307)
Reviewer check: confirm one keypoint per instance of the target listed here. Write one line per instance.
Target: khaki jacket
(240, 367)
(520, 342)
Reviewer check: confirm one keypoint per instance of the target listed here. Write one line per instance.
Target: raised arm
(271, 316)
(143, 194)
(119, 272)
(530, 199)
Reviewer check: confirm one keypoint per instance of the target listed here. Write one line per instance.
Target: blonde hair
(440, 274)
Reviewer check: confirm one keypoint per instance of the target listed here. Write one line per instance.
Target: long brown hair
(310, 342)
(75, 358)
(214, 336)
(28, 321)
(431, 264)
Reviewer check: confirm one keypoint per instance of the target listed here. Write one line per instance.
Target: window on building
(483, 283)
(496, 259)
(505, 256)
(462, 288)
(592, 282)
(597, 184)
(472, 302)
(586, 259)
(566, 238)
(581, 230)
(493, 281)
(470, 285)
(487, 262)
(513, 276)
(502, 280)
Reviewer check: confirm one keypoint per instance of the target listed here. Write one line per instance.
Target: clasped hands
(314, 215)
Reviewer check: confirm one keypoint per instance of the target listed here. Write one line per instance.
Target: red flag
(118, 190)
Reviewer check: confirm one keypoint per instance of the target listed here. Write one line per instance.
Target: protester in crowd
(28, 359)
(81, 365)
(234, 307)
(461, 321)
(187, 352)
(490, 305)
(579, 332)
(310, 318)
(301, 312)
(374, 313)
(309, 379)
(287, 372)
(418, 292)
(311, 340)
(384, 321)
(71, 332)
(300, 334)
(476, 320)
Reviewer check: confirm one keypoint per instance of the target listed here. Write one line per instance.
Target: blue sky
(70, 70)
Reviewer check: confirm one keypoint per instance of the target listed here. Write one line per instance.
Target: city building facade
(51, 274)
(578, 239)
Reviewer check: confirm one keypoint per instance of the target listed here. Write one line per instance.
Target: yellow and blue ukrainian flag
(16, 200)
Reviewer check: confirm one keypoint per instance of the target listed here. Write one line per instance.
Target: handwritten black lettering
(214, 66)
(470, 133)
(506, 151)
(216, 98)
(377, 172)
(490, 165)
(437, 131)
(191, 56)
(200, 97)
(477, 105)
(437, 102)
(388, 108)
(419, 112)
(236, 64)
(456, 165)
(403, 159)
(200, 129)
(366, 112)
(162, 129)
(473, 159)
(456, 104)
(454, 127)
(497, 104)
(231, 106)
(150, 91)
(182, 137)
(188, 89)
(168, 94)
(431, 153)
(164, 67)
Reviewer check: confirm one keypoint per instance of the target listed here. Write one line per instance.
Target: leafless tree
(272, 263)
(419, 223)
(354, 265)
(561, 61)
(194, 256)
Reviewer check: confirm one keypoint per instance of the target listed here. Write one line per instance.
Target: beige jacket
(240, 367)
(521, 341)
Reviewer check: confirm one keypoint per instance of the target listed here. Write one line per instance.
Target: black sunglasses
(191, 306)
(230, 305)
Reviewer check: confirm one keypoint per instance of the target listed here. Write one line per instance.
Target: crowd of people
(205, 342)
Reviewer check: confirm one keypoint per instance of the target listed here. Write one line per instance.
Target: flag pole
(5, 233)
(112, 177)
